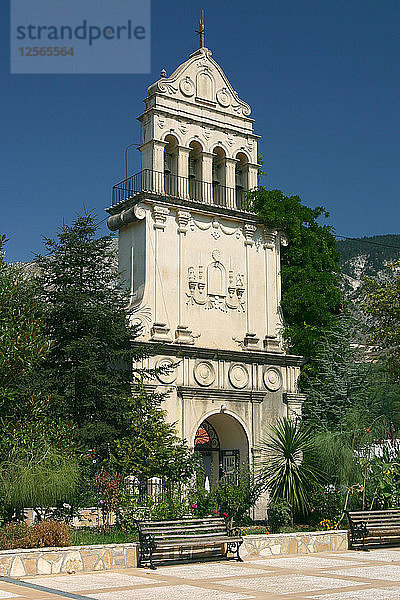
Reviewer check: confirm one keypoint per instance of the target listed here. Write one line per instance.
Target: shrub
(231, 497)
(13, 535)
(41, 535)
(44, 477)
(49, 533)
(279, 514)
(326, 503)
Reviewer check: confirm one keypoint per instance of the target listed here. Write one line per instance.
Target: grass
(88, 536)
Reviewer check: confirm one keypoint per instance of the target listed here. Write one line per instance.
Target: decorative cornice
(244, 356)
(153, 198)
(193, 393)
(291, 399)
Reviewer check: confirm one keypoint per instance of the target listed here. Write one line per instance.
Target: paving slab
(368, 594)
(384, 572)
(304, 562)
(172, 592)
(210, 570)
(90, 581)
(286, 584)
(384, 555)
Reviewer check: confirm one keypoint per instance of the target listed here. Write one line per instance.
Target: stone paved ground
(373, 575)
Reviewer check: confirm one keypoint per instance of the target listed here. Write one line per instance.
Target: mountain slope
(367, 256)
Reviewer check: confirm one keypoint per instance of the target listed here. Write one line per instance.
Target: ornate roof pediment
(201, 80)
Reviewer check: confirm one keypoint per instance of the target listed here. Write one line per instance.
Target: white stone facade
(203, 271)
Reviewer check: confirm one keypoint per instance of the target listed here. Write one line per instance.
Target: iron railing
(182, 188)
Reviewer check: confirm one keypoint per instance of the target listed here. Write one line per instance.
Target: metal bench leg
(234, 548)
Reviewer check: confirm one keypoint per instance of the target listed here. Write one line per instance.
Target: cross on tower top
(202, 31)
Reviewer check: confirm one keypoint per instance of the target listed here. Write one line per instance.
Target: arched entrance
(223, 444)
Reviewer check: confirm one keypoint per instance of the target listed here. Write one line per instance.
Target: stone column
(183, 171)
(271, 341)
(206, 176)
(183, 335)
(159, 330)
(152, 161)
(250, 339)
(253, 175)
(230, 182)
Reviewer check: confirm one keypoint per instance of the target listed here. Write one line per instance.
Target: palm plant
(284, 468)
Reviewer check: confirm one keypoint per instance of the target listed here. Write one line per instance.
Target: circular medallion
(186, 86)
(204, 373)
(223, 97)
(238, 376)
(272, 379)
(169, 375)
(216, 255)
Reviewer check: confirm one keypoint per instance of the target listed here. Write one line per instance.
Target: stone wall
(294, 543)
(46, 561)
(75, 559)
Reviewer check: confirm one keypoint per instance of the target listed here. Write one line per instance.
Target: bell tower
(202, 270)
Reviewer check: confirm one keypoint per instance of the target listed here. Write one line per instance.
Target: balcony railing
(182, 188)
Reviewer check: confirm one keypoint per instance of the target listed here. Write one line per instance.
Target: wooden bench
(366, 526)
(178, 540)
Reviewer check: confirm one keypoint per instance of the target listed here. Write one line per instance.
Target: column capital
(160, 214)
(249, 230)
(151, 143)
(184, 149)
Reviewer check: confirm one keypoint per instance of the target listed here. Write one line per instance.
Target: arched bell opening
(224, 447)
(195, 170)
(219, 175)
(241, 178)
(171, 165)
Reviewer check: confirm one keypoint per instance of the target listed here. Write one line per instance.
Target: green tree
(150, 446)
(88, 371)
(35, 447)
(311, 294)
(382, 305)
(23, 344)
(340, 381)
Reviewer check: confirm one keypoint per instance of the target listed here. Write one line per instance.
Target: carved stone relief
(187, 87)
(223, 97)
(272, 379)
(216, 228)
(204, 373)
(216, 287)
(141, 316)
(169, 376)
(238, 376)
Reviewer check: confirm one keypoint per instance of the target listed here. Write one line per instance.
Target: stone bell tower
(203, 271)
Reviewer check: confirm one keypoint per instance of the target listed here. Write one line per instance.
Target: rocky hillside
(367, 256)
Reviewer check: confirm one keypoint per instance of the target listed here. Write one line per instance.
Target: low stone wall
(294, 543)
(73, 559)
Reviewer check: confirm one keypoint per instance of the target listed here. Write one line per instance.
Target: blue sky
(321, 76)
